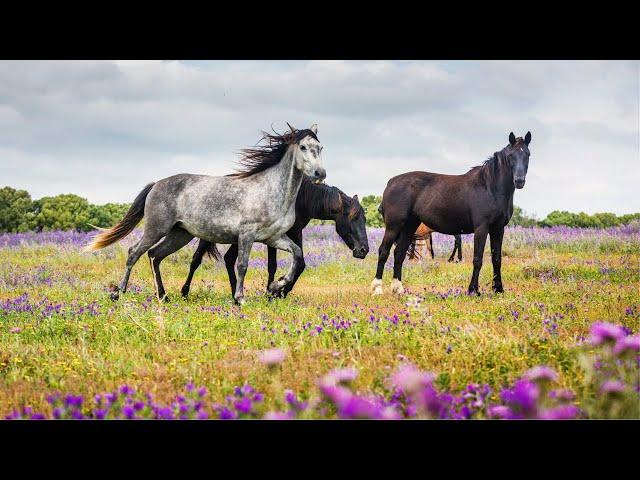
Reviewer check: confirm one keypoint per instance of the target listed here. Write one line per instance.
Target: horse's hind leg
(431, 245)
(149, 238)
(390, 235)
(174, 241)
(399, 254)
(457, 245)
(230, 258)
(203, 245)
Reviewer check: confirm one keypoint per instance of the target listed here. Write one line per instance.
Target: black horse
(314, 201)
(478, 202)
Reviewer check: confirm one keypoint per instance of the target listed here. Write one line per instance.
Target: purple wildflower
(613, 387)
(272, 357)
(540, 374)
(627, 344)
(604, 332)
(562, 412)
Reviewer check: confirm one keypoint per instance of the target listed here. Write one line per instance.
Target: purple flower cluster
(616, 371)
(413, 394)
(529, 398)
(242, 404)
(23, 304)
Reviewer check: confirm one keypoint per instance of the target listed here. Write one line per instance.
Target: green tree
(15, 206)
(370, 204)
(62, 212)
(108, 214)
(521, 218)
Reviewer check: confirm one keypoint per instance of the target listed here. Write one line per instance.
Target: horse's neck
(286, 179)
(312, 203)
(503, 187)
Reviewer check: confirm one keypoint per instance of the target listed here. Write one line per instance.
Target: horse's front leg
(496, 237)
(245, 242)
(276, 288)
(272, 264)
(479, 241)
(297, 239)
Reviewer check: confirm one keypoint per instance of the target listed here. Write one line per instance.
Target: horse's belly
(276, 229)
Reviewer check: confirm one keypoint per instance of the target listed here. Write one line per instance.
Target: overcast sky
(104, 129)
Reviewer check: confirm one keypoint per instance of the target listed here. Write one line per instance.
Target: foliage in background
(370, 203)
(19, 213)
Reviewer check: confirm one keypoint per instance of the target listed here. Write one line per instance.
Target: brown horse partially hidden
(423, 239)
(479, 202)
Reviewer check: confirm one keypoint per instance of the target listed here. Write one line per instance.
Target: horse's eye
(303, 148)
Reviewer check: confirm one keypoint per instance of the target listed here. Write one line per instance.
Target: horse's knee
(242, 269)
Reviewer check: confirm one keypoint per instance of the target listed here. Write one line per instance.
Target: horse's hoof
(396, 287)
(240, 301)
(474, 291)
(376, 287)
(114, 296)
(164, 298)
(498, 289)
(275, 294)
(276, 287)
(184, 292)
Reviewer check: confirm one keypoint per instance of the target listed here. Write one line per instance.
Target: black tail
(411, 251)
(124, 226)
(213, 252)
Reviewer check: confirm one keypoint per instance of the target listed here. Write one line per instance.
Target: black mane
(488, 171)
(262, 157)
(320, 197)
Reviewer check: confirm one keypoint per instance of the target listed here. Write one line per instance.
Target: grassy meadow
(59, 331)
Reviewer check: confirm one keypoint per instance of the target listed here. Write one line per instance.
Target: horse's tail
(124, 226)
(213, 252)
(411, 251)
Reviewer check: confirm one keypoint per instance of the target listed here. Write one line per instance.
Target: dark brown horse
(318, 201)
(478, 202)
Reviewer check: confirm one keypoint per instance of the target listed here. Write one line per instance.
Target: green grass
(162, 347)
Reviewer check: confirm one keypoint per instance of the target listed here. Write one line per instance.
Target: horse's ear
(527, 139)
(512, 138)
(355, 198)
(314, 128)
(293, 129)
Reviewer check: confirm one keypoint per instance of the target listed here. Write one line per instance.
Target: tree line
(20, 213)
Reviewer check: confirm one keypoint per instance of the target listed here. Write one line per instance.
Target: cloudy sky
(104, 129)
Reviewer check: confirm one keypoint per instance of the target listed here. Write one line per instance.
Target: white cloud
(104, 129)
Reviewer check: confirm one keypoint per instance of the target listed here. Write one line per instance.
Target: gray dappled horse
(256, 204)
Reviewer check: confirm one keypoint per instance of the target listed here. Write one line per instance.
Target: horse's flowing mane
(261, 157)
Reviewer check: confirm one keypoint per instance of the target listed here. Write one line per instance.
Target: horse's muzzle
(360, 252)
(519, 183)
(319, 175)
